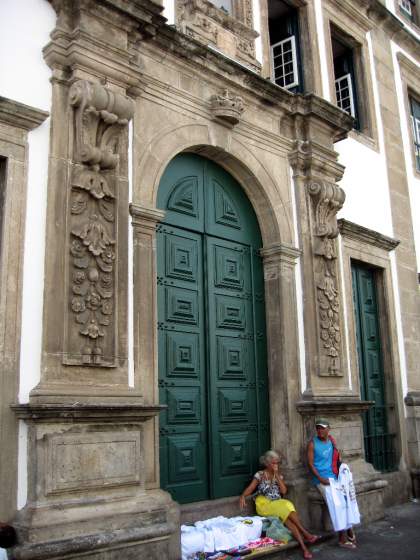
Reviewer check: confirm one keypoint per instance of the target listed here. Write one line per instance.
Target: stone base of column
(87, 490)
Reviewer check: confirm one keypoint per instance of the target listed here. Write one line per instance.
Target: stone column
(284, 367)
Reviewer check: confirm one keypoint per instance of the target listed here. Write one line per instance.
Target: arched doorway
(211, 330)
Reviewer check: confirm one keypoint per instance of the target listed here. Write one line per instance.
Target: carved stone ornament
(231, 33)
(100, 116)
(328, 199)
(227, 107)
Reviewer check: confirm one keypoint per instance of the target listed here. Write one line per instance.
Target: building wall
(287, 152)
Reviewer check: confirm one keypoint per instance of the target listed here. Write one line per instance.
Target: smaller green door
(378, 441)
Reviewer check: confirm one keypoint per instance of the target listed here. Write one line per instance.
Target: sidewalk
(397, 536)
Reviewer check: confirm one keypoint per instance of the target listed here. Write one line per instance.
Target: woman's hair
(7, 536)
(268, 457)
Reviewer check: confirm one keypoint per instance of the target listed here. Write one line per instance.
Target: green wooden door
(378, 441)
(211, 325)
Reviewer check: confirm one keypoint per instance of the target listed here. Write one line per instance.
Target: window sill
(365, 139)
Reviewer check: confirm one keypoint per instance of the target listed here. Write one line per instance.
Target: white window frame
(406, 6)
(349, 82)
(416, 133)
(292, 41)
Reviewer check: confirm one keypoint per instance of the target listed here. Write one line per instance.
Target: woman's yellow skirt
(274, 508)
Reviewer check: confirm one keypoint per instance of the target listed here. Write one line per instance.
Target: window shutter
(284, 67)
(415, 121)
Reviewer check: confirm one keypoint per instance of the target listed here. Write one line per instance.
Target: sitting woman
(269, 502)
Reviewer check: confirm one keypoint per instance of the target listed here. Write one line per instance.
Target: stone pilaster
(319, 199)
(144, 222)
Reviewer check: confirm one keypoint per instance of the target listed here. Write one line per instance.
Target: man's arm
(324, 481)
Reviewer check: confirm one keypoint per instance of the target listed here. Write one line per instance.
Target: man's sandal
(347, 544)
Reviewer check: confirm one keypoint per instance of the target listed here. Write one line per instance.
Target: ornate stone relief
(100, 117)
(328, 199)
(227, 107)
(232, 33)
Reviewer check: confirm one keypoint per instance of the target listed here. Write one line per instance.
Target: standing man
(323, 457)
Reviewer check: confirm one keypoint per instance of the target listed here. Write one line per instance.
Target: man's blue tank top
(323, 455)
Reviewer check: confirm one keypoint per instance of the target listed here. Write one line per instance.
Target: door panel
(233, 409)
(183, 434)
(211, 325)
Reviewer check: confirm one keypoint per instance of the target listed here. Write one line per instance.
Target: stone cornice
(81, 412)
(280, 252)
(142, 214)
(20, 115)
(395, 29)
(366, 236)
(332, 406)
(352, 12)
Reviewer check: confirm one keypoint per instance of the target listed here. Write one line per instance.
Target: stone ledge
(366, 235)
(20, 115)
(86, 543)
(81, 412)
(331, 406)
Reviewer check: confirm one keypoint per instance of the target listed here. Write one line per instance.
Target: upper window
(410, 10)
(345, 79)
(285, 59)
(224, 5)
(415, 119)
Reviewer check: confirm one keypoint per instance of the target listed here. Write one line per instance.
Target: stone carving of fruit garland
(328, 200)
(100, 116)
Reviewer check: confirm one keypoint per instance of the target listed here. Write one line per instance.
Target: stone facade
(130, 92)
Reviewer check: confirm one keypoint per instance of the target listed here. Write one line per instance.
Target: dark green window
(211, 333)
(379, 441)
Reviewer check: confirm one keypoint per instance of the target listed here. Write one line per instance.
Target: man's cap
(322, 422)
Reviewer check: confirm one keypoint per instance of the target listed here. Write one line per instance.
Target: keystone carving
(227, 107)
(100, 117)
(328, 199)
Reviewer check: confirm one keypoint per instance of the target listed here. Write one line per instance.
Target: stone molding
(332, 406)
(280, 253)
(227, 107)
(19, 115)
(100, 117)
(366, 236)
(142, 215)
(101, 412)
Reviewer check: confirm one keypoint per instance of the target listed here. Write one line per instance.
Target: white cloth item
(192, 541)
(345, 478)
(336, 503)
(3, 554)
(340, 496)
(219, 533)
